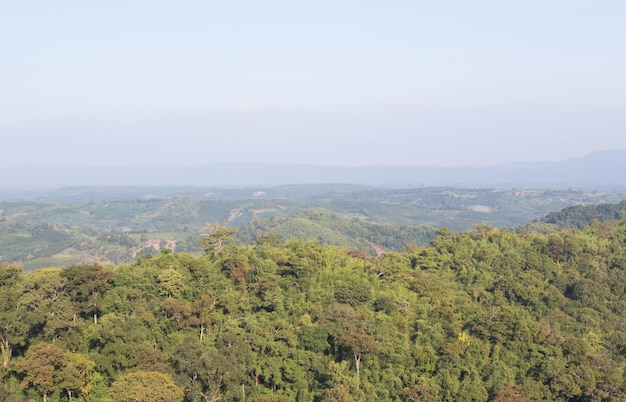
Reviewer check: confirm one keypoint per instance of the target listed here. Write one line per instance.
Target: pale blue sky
(323, 82)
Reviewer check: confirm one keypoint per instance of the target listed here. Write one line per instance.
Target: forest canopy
(486, 314)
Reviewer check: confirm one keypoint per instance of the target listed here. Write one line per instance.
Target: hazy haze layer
(446, 83)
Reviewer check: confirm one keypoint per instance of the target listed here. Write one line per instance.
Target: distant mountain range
(599, 169)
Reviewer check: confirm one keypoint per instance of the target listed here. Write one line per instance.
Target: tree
(12, 327)
(353, 293)
(313, 338)
(85, 284)
(338, 319)
(60, 318)
(178, 312)
(337, 394)
(74, 376)
(234, 360)
(216, 237)
(45, 297)
(171, 283)
(423, 392)
(359, 343)
(202, 369)
(204, 311)
(271, 239)
(146, 386)
(41, 367)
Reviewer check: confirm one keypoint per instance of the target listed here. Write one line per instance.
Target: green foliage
(486, 314)
(216, 237)
(352, 293)
(47, 369)
(85, 285)
(146, 386)
(579, 216)
(333, 228)
(385, 303)
(269, 398)
(40, 368)
(80, 226)
(313, 338)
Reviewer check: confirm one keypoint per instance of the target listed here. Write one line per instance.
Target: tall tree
(74, 375)
(216, 237)
(41, 367)
(360, 343)
(45, 297)
(85, 284)
(12, 326)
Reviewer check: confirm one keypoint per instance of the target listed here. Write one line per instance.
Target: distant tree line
(580, 216)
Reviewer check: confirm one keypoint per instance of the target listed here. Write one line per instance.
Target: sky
(342, 83)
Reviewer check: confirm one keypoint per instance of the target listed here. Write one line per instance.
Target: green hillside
(482, 315)
(580, 216)
(331, 228)
(114, 229)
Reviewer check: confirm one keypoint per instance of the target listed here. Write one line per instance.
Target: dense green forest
(579, 216)
(485, 314)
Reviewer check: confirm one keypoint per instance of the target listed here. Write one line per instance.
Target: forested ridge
(332, 228)
(486, 314)
(579, 216)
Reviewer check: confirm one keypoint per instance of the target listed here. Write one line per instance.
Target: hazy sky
(319, 82)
